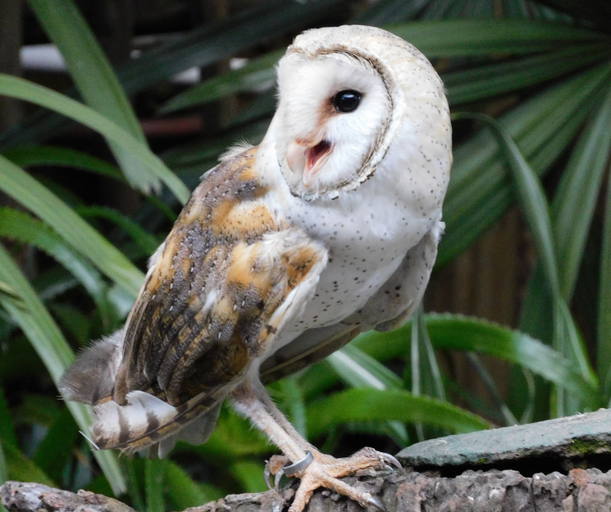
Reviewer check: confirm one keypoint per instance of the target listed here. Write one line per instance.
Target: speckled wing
(391, 306)
(226, 280)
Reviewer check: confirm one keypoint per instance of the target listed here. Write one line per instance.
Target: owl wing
(220, 289)
(392, 305)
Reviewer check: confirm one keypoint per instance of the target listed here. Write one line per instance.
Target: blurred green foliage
(547, 63)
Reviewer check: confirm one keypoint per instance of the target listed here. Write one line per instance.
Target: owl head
(347, 96)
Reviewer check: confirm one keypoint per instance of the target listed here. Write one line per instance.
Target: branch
(514, 468)
(404, 491)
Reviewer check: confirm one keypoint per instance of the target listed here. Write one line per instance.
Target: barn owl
(284, 253)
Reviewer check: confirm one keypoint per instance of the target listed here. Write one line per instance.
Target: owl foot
(320, 470)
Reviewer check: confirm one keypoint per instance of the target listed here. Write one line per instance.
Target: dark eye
(347, 101)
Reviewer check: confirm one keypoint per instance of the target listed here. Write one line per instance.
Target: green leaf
(54, 451)
(571, 220)
(532, 199)
(426, 375)
(182, 492)
(250, 475)
(23, 227)
(27, 156)
(22, 89)
(95, 80)
(531, 196)
(7, 431)
(202, 47)
(3, 465)
(291, 402)
(456, 332)
(257, 75)
(147, 242)
(471, 37)
(386, 11)
(490, 80)
(72, 228)
(581, 179)
(604, 302)
(480, 191)
(154, 483)
(46, 338)
(22, 469)
(233, 437)
(491, 387)
(73, 320)
(373, 405)
(359, 370)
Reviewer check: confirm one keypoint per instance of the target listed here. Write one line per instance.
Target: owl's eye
(347, 101)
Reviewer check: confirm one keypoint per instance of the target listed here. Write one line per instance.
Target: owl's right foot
(325, 471)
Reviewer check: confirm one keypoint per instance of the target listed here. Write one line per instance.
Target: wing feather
(225, 282)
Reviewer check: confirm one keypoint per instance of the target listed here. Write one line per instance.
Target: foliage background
(79, 216)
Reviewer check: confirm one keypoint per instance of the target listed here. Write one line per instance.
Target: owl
(283, 254)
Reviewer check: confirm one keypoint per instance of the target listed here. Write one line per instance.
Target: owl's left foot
(325, 471)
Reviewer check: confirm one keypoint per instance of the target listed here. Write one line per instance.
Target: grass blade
(26, 156)
(72, 228)
(480, 190)
(457, 332)
(22, 469)
(49, 343)
(147, 242)
(472, 37)
(54, 451)
(532, 199)
(604, 303)
(258, 75)
(581, 179)
(497, 78)
(493, 390)
(22, 89)
(154, 483)
(199, 48)
(373, 405)
(183, 492)
(359, 370)
(95, 80)
(24, 228)
(250, 475)
(3, 465)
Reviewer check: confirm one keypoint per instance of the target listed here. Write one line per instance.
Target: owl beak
(308, 159)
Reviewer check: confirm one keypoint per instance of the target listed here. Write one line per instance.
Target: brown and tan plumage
(283, 254)
(212, 302)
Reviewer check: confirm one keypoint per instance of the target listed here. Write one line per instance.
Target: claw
(266, 475)
(277, 479)
(392, 460)
(376, 503)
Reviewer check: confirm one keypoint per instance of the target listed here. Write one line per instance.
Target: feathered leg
(252, 401)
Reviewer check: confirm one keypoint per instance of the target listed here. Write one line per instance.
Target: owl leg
(252, 401)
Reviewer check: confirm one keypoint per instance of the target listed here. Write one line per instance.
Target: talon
(376, 503)
(266, 475)
(277, 479)
(392, 460)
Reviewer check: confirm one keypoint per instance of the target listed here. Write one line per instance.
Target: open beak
(307, 159)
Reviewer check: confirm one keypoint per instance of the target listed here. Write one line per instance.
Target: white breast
(367, 233)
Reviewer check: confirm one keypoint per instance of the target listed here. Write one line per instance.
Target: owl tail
(145, 420)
